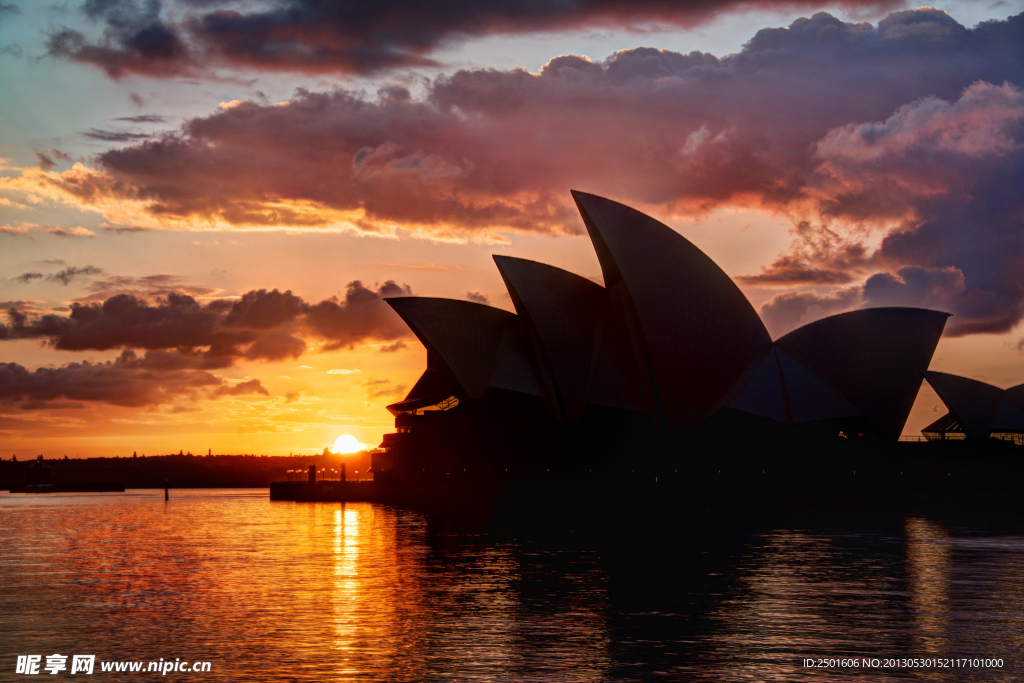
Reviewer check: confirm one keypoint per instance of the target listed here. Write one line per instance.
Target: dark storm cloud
(143, 118)
(45, 162)
(184, 340)
(135, 40)
(123, 321)
(261, 310)
(312, 36)
(820, 256)
(790, 272)
(127, 229)
(912, 285)
(359, 316)
(958, 166)
(127, 381)
(156, 284)
(261, 325)
(994, 308)
(156, 378)
(253, 386)
(276, 345)
(66, 276)
(911, 129)
(115, 135)
(789, 310)
(492, 149)
(8, 8)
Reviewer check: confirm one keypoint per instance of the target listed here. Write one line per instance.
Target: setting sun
(347, 443)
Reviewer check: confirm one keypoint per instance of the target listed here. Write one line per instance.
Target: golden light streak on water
(360, 592)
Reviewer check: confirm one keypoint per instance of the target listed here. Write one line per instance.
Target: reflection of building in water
(406, 609)
(929, 567)
(987, 595)
(668, 343)
(804, 595)
(977, 411)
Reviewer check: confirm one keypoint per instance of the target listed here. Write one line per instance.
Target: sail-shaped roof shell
(568, 314)
(671, 335)
(699, 332)
(765, 392)
(468, 337)
(1010, 416)
(874, 357)
(973, 402)
(615, 382)
(513, 371)
(811, 398)
(785, 390)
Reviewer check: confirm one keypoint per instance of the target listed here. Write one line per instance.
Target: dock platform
(325, 491)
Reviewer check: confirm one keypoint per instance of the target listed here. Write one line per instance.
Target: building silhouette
(977, 411)
(667, 352)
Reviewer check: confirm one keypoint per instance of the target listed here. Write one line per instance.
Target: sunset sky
(203, 201)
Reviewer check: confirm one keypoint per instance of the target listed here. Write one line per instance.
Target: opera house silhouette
(977, 411)
(667, 354)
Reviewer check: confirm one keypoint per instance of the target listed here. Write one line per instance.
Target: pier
(324, 485)
(325, 491)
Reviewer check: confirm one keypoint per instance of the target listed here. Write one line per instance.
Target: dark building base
(734, 483)
(325, 491)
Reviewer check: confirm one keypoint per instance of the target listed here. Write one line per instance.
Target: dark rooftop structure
(669, 345)
(977, 410)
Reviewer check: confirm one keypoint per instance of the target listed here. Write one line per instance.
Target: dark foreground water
(330, 592)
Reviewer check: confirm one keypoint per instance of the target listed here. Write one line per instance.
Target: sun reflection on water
(361, 592)
(346, 591)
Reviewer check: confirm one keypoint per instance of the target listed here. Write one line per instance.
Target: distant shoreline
(179, 471)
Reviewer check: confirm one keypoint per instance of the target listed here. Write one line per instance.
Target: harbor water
(268, 591)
